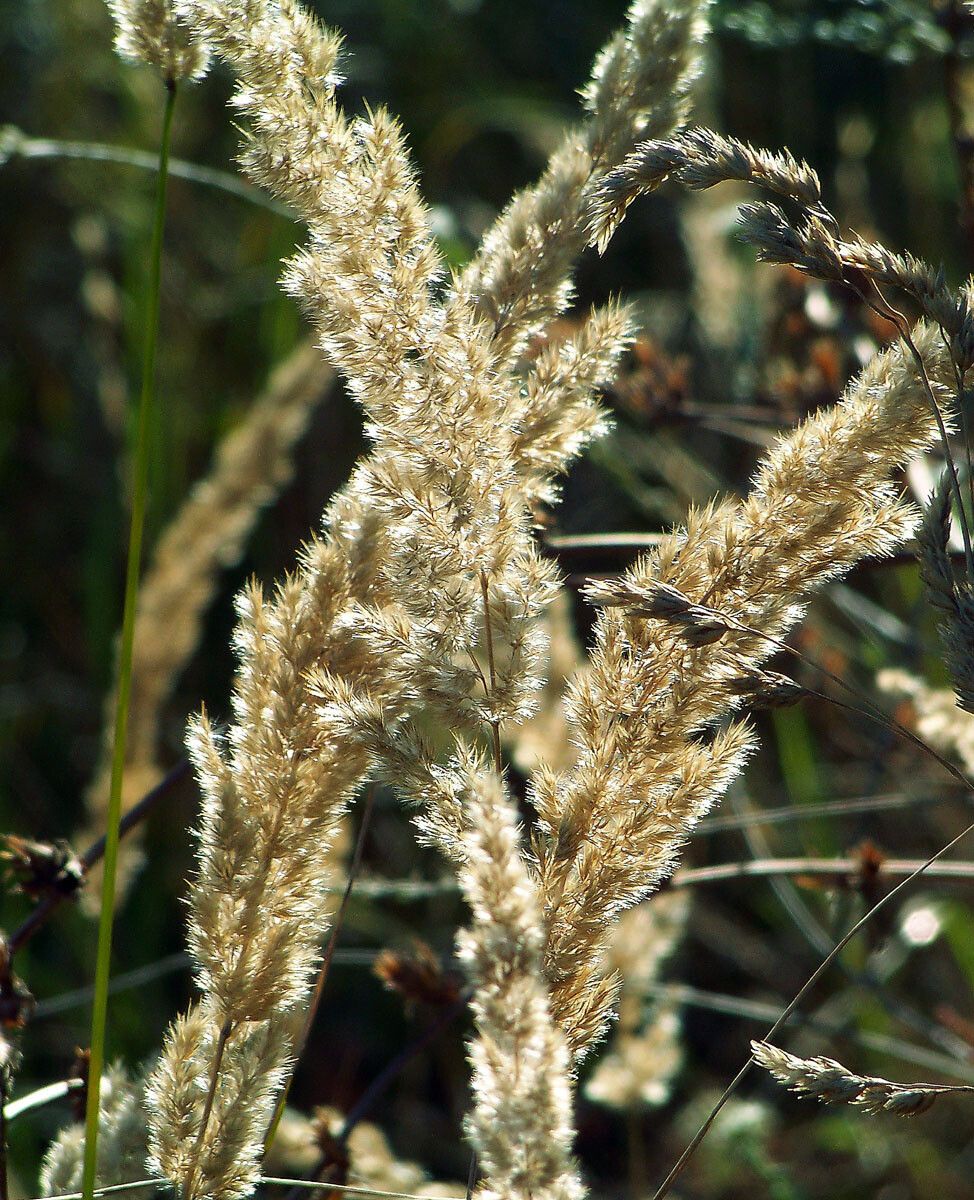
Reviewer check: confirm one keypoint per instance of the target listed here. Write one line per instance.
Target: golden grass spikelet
(435, 518)
(207, 535)
(521, 1123)
(431, 569)
(273, 800)
(640, 85)
(698, 158)
(812, 242)
(272, 803)
(442, 417)
(647, 715)
(207, 1130)
(147, 31)
(832, 1083)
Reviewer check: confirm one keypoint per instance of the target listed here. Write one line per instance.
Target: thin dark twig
(962, 413)
(807, 812)
(394, 1068)
(864, 706)
(820, 942)
(136, 814)
(329, 954)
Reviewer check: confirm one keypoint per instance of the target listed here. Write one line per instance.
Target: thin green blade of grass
(140, 460)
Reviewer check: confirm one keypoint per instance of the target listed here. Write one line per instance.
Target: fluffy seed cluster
(812, 242)
(147, 31)
(425, 595)
(121, 1142)
(206, 536)
(672, 641)
(521, 1125)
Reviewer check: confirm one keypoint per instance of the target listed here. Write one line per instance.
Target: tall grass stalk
(140, 461)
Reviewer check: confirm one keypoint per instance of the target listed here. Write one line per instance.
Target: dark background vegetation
(865, 91)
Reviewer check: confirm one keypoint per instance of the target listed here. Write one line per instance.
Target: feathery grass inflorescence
(429, 569)
(812, 242)
(521, 1123)
(274, 798)
(206, 536)
(440, 415)
(674, 637)
(424, 598)
(832, 1083)
(640, 87)
(121, 1142)
(147, 31)
(698, 158)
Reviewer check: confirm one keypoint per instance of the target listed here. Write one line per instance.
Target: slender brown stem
(394, 1068)
(386, 1077)
(864, 708)
(328, 956)
(867, 709)
(472, 1174)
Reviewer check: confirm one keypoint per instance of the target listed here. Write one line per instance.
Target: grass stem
(140, 461)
